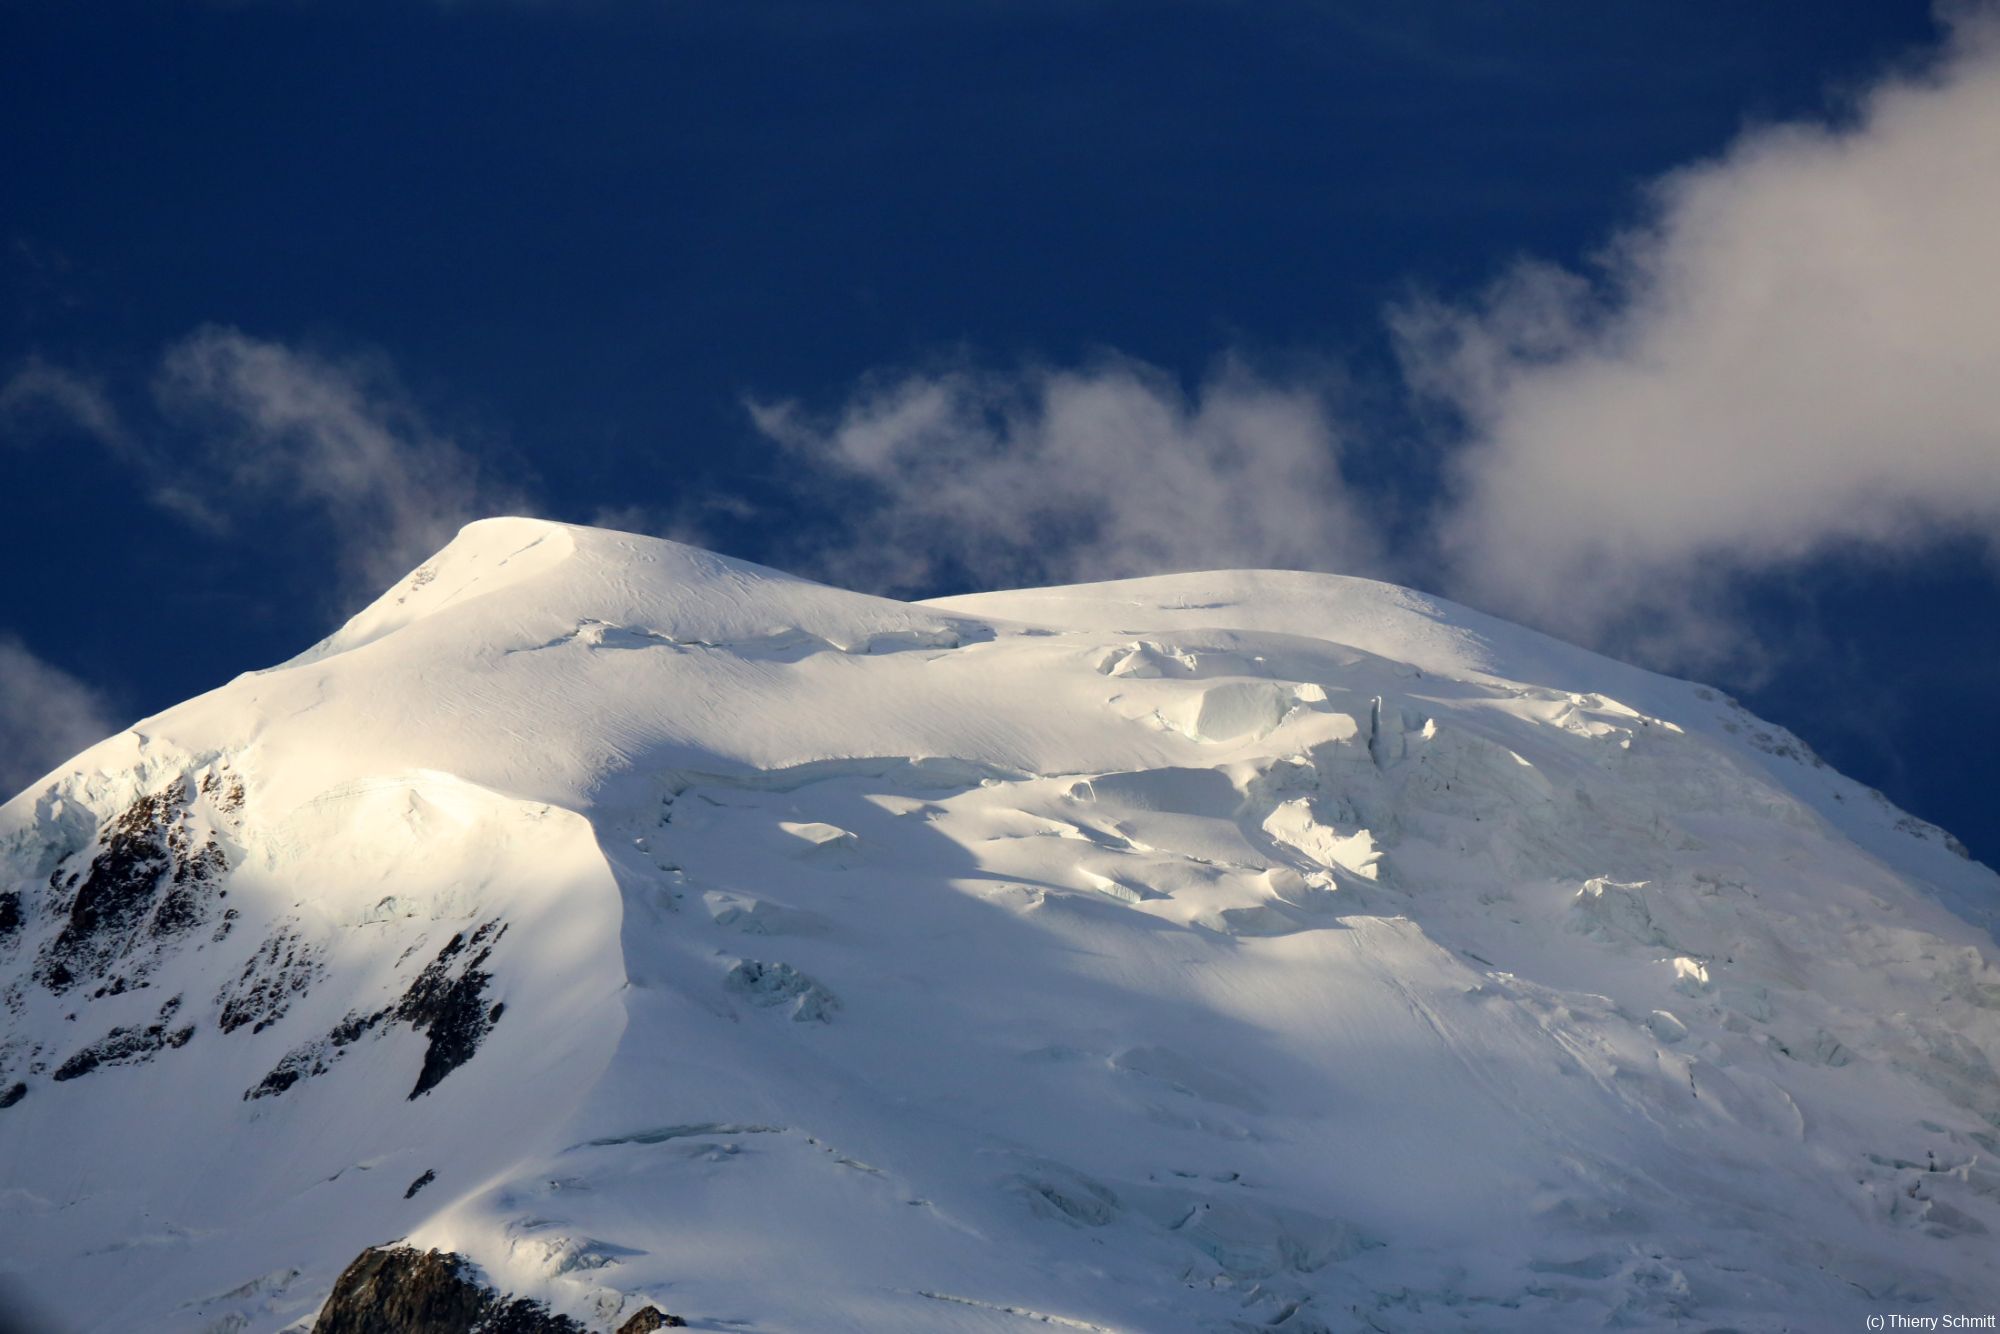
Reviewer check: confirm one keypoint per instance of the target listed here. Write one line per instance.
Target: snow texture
(1217, 952)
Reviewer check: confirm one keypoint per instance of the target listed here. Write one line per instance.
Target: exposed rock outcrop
(129, 1046)
(446, 1003)
(402, 1290)
(154, 878)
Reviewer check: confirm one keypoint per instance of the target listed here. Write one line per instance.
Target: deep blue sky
(578, 235)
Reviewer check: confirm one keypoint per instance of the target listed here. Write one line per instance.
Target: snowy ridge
(1222, 951)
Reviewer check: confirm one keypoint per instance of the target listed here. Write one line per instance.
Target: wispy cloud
(1056, 475)
(280, 426)
(1794, 355)
(46, 714)
(233, 427)
(41, 396)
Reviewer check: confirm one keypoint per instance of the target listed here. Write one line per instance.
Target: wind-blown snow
(1218, 951)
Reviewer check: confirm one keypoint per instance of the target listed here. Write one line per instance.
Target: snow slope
(1223, 951)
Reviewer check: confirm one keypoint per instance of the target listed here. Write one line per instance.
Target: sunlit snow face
(1287, 941)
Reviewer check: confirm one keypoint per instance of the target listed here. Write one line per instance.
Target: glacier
(1224, 951)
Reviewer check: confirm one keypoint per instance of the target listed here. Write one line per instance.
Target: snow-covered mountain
(1220, 951)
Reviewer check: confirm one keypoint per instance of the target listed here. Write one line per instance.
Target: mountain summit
(620, 934)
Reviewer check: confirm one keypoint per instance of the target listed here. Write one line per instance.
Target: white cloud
(46, 715)
(1795, 354)
(289, 428)
(1061, 475)
(1800, 351)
